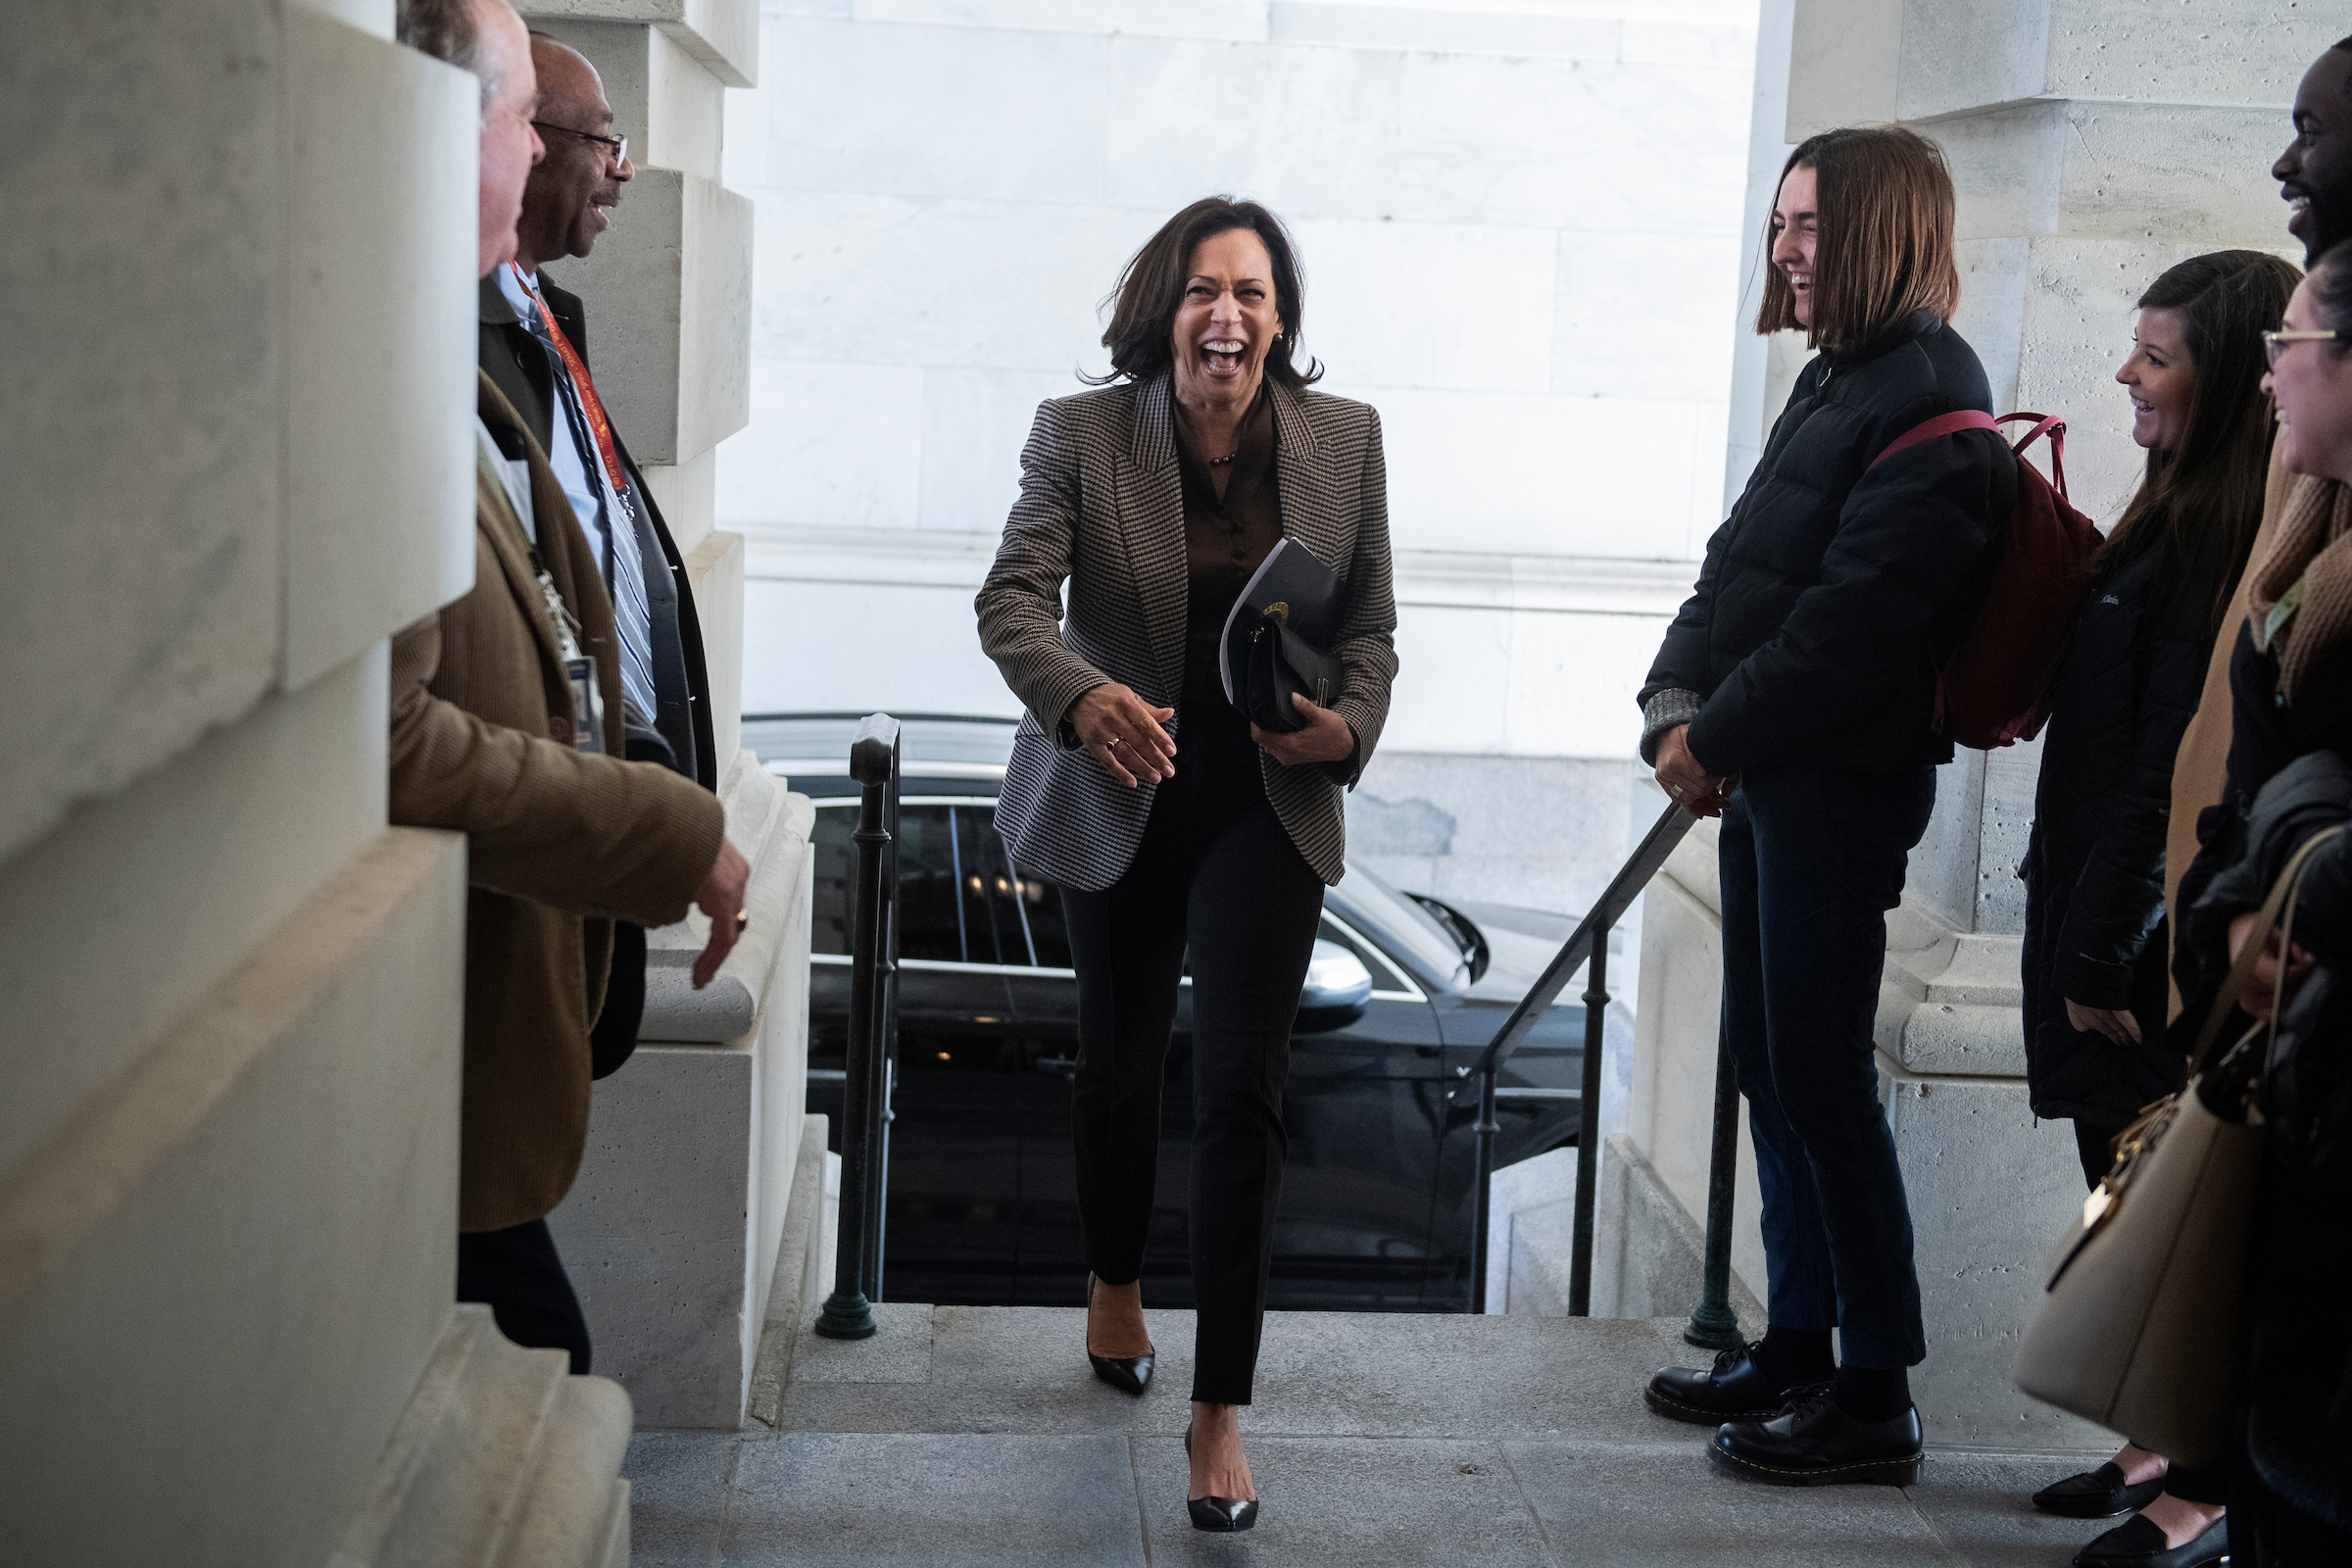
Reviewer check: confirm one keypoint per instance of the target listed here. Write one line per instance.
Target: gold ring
(743, 918)
(1111, 744)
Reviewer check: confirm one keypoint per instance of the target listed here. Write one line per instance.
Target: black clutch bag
(1277, 637)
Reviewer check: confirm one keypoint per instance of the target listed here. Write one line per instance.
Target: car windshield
(1398, 922)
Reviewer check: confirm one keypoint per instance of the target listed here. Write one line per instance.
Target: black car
(1403, 992)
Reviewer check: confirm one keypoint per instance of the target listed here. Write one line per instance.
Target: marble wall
(1521, 234)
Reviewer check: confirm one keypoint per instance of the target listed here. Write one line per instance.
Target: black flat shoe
(1818, 1444)
(1223, 1516)
(1734, 1390)
(2099, 1493)
(1130, 1374)
(2137, 1542)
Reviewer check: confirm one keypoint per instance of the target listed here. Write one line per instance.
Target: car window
(1396, 921)
(933, 919)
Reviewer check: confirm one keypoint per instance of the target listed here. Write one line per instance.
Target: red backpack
(1995, 688)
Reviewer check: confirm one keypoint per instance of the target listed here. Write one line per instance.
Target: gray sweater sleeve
(1662, 713)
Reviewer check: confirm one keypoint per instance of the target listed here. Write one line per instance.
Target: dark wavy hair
(2198, 508)
(1142, 304)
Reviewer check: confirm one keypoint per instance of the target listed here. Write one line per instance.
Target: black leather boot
(1735, 1390)
(1818, 1444)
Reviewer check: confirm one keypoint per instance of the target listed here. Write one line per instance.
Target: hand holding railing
(874, 762)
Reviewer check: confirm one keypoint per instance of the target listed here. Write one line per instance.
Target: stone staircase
(962, 1435)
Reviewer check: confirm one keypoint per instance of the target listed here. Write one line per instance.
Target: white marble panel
(866, 647)
(974, 423)
(923, 111)
(829, 443)
(995, 285)
(380, 340)
(1649, 40)
(1572, 680)
(1431, 305)
(1539, 475)
(1570, 143)
(1311, 132)
(1474, 31)
(715, 574)
(684, 492)
(142, 415)
(1641, 314)
(714, 371)
(1243, 20)
(1453, 680)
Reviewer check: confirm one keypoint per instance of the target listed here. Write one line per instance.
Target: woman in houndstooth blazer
(1168, 820)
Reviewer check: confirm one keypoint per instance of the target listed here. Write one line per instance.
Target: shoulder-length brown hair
(1142, 304)
(1884, 246)
(2196, 513)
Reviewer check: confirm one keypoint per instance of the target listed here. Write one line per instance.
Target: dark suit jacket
(514, 359)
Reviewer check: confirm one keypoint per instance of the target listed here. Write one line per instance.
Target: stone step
(978, 1435)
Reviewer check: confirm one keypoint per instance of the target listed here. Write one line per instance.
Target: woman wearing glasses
(2095, 948)
(2290, 678)
(1794, 697)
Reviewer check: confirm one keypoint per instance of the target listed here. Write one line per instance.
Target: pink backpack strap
(1942, 425)
(2054, 426)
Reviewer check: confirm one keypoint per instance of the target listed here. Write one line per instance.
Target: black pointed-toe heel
(1129, 1374)
(1223, 1516)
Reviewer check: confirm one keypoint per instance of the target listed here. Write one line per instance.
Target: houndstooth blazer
(1101, 508)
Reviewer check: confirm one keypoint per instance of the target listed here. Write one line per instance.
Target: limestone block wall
(239, 325)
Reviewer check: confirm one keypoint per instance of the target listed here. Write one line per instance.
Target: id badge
(587, 704)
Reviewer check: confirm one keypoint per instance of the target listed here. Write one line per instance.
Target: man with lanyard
(505, 726)
(534, 347)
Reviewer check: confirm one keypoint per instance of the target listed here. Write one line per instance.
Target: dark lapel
(1298, 461)
(514, 359)
(1151, 511)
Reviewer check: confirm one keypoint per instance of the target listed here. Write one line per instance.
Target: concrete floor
(964, 1436)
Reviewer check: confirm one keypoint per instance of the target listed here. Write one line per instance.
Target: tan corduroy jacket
(560, 842)
(2201, 767)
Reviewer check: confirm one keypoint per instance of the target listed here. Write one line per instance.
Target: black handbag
(1283, 665)
(1277, 637)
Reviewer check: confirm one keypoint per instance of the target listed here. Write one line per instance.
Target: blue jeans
(1811, 861)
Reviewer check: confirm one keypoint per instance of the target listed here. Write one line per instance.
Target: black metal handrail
(1587, 946)
(874, 762)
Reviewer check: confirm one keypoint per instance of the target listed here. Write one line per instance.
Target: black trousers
(1811, 861)
(1230, 884)
(516, 1274)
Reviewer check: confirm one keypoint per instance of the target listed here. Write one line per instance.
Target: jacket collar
(1154, 442)
(1918, 325)
(495, 312)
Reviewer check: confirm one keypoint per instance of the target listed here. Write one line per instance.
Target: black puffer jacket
(2130, 681)
(1815, 625)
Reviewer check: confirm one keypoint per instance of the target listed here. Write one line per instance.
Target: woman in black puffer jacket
(2096, 991)
(1794, 696)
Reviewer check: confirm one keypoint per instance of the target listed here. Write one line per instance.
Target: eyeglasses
(618, 146)
(2275, 344)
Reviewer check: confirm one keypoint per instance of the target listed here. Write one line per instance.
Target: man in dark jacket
(534, 345)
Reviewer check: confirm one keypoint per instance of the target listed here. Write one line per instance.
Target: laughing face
(574, 192)
(1227, 322)
(2160, 380)
(2315, 172)
(1796, 232)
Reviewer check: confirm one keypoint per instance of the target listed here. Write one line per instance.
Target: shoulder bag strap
(2282, 899)
(1942, 425)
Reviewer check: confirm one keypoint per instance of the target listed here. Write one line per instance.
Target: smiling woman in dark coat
(2096, 991)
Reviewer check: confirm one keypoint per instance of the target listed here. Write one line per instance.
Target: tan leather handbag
(2138, 1321)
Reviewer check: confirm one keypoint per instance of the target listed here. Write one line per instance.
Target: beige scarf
(2314, 549)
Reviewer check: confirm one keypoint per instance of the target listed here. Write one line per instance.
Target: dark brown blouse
(1230, 538)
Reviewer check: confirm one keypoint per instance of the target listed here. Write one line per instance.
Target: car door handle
(1538, 1094)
